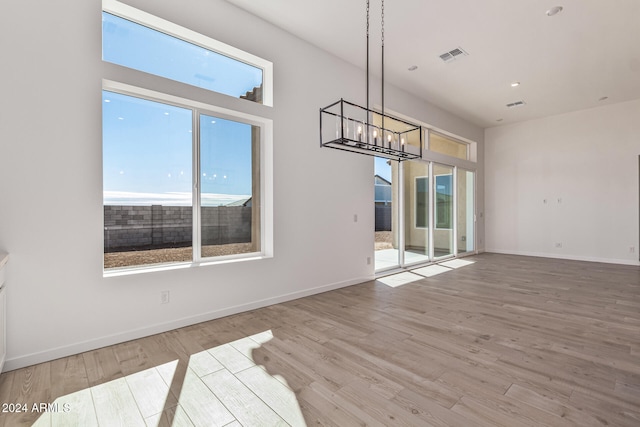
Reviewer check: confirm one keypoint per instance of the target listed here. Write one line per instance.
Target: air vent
(516, 104)
(453, 54)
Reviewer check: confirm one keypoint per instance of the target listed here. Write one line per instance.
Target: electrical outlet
(355, 217)
(558, 245)
(368, 260)
(632, 249)
(164, 297)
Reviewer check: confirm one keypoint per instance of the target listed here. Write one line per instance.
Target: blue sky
(382, 168)
(135, 46)
(147, 145)
(147, 149)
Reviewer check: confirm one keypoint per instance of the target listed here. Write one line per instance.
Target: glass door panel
(442, 210)
(465, 211)
(416, 212)
(387, 250)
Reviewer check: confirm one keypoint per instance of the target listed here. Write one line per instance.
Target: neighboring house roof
(380, 180)
(242, 202)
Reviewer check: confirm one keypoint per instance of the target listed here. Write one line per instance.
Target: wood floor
(503, 341)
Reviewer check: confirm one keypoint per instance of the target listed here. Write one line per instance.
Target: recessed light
(604, 98)
(499, 120)
(515, 84)
(413, 68)
(107, 100)
(554, 10)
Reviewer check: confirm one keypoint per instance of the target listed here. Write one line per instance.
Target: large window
(182, 181)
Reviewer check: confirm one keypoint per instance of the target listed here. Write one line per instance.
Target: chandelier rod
(367, 69)
(374, 139)
(382, 82)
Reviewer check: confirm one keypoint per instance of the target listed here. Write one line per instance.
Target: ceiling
(566, 62)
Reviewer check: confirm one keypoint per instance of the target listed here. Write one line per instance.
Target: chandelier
(351, 127)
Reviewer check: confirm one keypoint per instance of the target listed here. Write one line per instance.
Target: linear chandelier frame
(347, 126)
(350, 127)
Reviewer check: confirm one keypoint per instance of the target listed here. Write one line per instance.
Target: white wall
(50, 157)
(585, 165)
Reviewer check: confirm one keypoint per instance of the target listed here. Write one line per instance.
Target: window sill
(126, 271)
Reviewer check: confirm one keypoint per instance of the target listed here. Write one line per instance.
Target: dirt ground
(383, 240)
(159, 256)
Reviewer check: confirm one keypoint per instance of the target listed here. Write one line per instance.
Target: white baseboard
(567, 257)
(83, 346)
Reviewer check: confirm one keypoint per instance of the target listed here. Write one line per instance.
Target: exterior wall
(130, 227)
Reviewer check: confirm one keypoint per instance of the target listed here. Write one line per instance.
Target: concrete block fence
(383, 218)
(156, 226)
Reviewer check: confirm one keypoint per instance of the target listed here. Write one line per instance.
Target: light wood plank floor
(490, 340)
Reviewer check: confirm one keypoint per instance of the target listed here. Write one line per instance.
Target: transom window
(445, 145)
(140, 41)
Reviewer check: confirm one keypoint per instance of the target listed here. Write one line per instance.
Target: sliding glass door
(431, 208)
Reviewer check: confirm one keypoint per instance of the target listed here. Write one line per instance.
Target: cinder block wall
(156, 226)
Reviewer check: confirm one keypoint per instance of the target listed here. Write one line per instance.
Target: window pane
(146, 181)
(422, 202)
(135, 46)
(443, 207)
(445, 145)
(229, 177)
(416, 211)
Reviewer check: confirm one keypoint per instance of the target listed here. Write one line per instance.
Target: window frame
(167, 27)
(265, 173)
(127, 81)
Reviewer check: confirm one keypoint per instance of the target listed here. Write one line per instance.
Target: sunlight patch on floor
(220, 386)
(399, 279)
(431, 270)
(456, 263)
